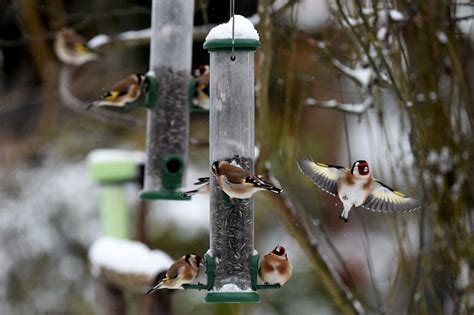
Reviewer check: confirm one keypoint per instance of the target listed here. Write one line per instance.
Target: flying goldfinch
(275, 268)
(356, 187)
(184, 271)
(239, 183)
(71, 48)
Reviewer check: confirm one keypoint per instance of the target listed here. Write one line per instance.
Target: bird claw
(341, 217)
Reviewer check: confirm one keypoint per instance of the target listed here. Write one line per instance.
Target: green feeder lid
(242, 44)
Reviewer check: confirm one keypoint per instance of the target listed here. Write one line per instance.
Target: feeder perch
(148, 94)
(168, 119)
(112, 169)
(231, 120)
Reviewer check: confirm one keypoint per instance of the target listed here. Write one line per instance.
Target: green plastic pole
(114, 211)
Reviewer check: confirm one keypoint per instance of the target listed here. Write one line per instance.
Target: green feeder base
(232, 297)
(267, 286)
(162, 195)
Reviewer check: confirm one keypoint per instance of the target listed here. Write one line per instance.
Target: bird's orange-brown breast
(267, 265)
(349, 178)
(369, 183)
(189, 273)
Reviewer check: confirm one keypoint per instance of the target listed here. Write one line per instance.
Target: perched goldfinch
(71, 48)
(201, 91)
(202, 189)
(356, 187)
(239, 183)
(184, 271)
(123, 92)
(275, 268)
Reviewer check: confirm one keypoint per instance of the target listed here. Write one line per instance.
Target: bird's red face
(279, 251)
(201, 70)
(363, 168)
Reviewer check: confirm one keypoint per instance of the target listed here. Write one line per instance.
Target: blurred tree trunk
(109, 298)
(47, 68)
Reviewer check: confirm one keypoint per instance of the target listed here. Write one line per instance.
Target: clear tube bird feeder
(231, 120)
(168, 120)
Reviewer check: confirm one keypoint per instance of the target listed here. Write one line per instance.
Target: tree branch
(350, 108)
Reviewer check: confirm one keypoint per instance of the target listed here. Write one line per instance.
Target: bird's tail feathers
(260, 183)
(155, 288)
(190, 193)
(202, 180)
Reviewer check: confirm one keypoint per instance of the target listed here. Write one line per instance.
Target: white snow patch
(442, 37)
(128, 257)
(362, 75)
(463, 277)
(396, 15)
(244, 29)
(308, 15)
(420, 97)
(381, 33)
(257, 152)
(151, 73)
(230, 287)
(109, 155)
(466, 25)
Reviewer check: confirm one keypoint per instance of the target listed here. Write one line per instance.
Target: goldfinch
(356, 187)
(239, 183)
(202, 189)
(71, 48)
(123, 92)
(201, 91)
(275, 268)
(184, 271)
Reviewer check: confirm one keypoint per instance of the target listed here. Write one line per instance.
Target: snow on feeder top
(232, 136)
(168, 120)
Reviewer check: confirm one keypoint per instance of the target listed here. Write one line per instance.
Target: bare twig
(338, 291)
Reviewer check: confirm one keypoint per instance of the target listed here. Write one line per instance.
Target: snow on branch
(101, 39)
(351, 108)
(362, 76)
(138, 36)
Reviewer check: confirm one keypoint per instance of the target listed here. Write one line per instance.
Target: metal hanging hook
(232, 14)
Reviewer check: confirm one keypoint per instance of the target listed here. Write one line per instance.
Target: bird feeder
(168, 119)
(231, 120)
(112, 169)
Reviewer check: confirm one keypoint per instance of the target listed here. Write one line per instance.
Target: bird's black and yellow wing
(324, 176)
(384, 199)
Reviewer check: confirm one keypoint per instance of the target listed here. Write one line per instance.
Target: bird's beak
(366, 169)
